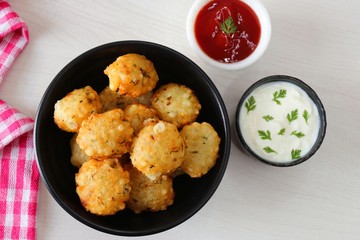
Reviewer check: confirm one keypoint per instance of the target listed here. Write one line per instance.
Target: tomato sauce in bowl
(227, 30)
(229, 34)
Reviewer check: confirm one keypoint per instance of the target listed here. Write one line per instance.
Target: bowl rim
(258, 7)
(313, 96)
(57, 197)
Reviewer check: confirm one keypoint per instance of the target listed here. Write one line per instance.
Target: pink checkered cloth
(19, 179)
(13, 37)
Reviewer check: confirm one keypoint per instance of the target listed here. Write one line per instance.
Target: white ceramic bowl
(265, 34)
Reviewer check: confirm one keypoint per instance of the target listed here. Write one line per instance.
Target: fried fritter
(157, 149)
(132, 74)
(75, 107)
(105, 134)
(138, 115)
(78, 157)
(111, 100)
(103, 186)
(201, 148)
(148, 195)
(176, 103)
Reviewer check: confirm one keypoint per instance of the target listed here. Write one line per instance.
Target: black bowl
(313, 96)
(53, 149)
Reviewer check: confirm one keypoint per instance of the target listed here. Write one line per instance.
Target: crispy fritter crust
(111, 100)
(75, 107)
(103, 186)
(148, 195)
(201, 148)
(132, 74)
(158, 149)
(176, 103)
(138, 115)
(78, 157)
(105, 134)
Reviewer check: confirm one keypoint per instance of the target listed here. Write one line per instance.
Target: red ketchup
(227, 30)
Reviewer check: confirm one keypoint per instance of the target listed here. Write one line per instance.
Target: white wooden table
(316, 41)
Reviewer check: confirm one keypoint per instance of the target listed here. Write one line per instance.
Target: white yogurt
(282, 122)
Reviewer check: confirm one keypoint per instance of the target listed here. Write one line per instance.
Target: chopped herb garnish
(306, 116)
(277, 95)
(250, 104)
(295, 153)
(228, 26)
(292, 116)
(268, 118)
(269, 150)
(298, 134)
(265, 135)
(282, 131)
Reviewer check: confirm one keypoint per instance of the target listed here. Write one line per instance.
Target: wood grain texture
(316, 41)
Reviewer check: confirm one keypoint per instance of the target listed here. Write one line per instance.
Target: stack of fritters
(131, 140)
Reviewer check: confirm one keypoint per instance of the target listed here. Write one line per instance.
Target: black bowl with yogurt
(281, 121)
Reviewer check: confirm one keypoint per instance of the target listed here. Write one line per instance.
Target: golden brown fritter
(132, 74)
(176, 103)
(111, 100)
(78, 157)
(148, 195)
(75, 107)
(138, 114)
(103, 186)
(201, 148)
(105, 134)
(157, 149)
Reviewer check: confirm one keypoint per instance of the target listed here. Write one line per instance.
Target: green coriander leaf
(292, 116)
(306, 116)
(268, 118)
(269, 150)
(228, 26)
(265, 135)
(250, 104)
(282, 131)
(298, 134)
(295, 153)
(277, 95)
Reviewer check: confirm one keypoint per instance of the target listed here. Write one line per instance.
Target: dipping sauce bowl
(229, 34)
(281, 121)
